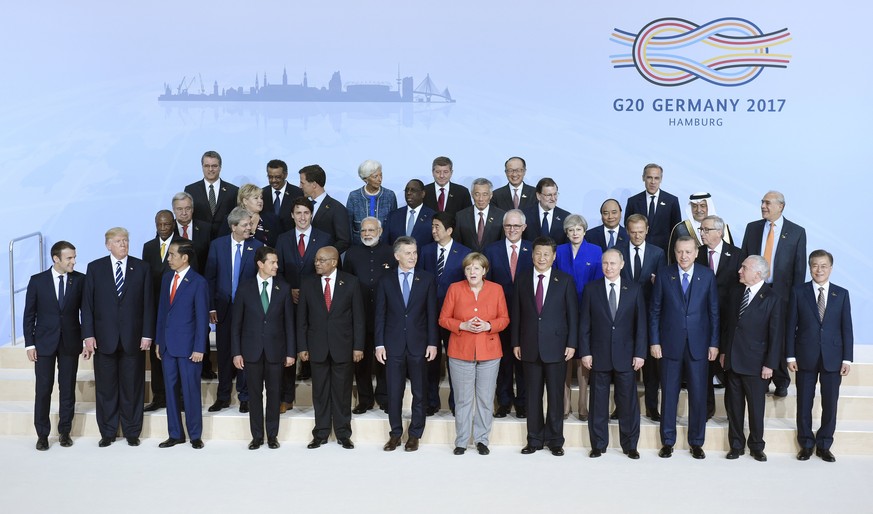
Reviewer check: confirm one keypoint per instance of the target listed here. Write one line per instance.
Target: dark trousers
(289, 383)
(830, 394)
(548, 431)
(119, 380)
(626, 402)
(651, 382)
(434, 369)
(742, 391)
(226, 370)
(182, 373)
(510, 368)
(397, 367)
(262, 374)
(714, 371)
(364, 371)
(44, 368)
(695, 373)
(157, 382)
(332, 398)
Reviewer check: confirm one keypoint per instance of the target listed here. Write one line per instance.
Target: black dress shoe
(583, 417)
(759, 455)
(735, 453)
(316, 443)
(781, 392)
(528, 449)
(170, 442)
(825, 455)
(411, 444)
(361, 408)
(346, 443)
(804, 454)
(256, 443)
(392, 444)
(154, 406)
(244, 406)
(303, 376)
(197, 444)
(65, 440)
(665, 452)
(273, 443)
(133, 441)
(520, 413)
(557, 451)
(653, 415)
(502, 411)
(595, 452)
(42, 444)
(208, 375)
(697, 452)
(105, 441)
(614, 414)
(459, 450)
(218, 405)
(432, 410)
(632, 454)
(482, 449)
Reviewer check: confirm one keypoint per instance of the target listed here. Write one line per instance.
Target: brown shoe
(411, 444)
(285, 407)
(392, 444)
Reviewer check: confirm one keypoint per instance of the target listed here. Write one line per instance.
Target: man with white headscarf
(700, 205)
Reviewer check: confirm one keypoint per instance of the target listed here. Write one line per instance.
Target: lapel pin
(662, 203)
(727, 254)
(672, 277)
(340, 283)
(185, 279)
(523, 195)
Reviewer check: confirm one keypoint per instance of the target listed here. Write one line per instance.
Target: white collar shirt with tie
(777, 229)
(715, 255)
(216, 186)
(536, 279)
(269, 281)
(333, 284)
(123, 266)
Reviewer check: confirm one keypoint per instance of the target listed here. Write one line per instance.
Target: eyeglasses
(704, 230)
(322, 261)
(513, 227)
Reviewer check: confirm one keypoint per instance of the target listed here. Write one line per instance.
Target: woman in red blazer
(474, 312)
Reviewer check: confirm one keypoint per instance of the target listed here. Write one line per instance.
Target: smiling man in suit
(609, 233)
(658, 206)
(546, 218)
(118, 323)
(53, 336)
(263, 342)
(330, 333)
(441, 194)
(413, 220)
(683, 334)
(818, 347)
(783, 245)
(182, 328)
(516, 194)
(406, 339)
(328, 214)
(279, 194)
(613, 346)
(479, 225)
(213, 197)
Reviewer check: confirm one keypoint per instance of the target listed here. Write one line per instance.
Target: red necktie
(185, 231)
(301, 248)
(540, 294)
(513, 261)
(173, 289)
(327, 293)
(441, 201)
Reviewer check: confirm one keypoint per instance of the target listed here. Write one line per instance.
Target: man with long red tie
(442, 195)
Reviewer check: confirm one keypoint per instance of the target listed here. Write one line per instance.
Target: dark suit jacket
(288, 194)
(544, 336)
(502, 197)
(498, 264)
(452, 271)
(667, 215)
(291, 265)
(653, 260)
(613, 343)
(726, 277)
(200, 235)
(219, 269)
(807, 338)
(673, 321)
(535, 223)
(396, 225)
(457, 197)
(467, 223)
(335, 334)
(369, 265)
(226, 201)
(183, 326)
(333, 218)
(48, 327)
(596, 236)
(118, 320)
(756, 339)
(151, 255)
(254, 332)
(789, 264)
(410, 328)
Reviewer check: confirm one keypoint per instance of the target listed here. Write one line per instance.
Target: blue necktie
(685, 285)
(611, 242)
(61, 291)
(406, 288)
(545, 228)
(237, 261)
(277, 204)
(119, 278)
(411, 223)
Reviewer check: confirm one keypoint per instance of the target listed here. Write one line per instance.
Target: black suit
(333, 218)
(750, 343)
(288, 194)
(613, 343)
(118, 323)
(502, 198)
(543, 338)
(225, 202)
(56, 334)
(331, 337)
(151, 255)
(667, 215)
(467, 223)
(535, 224)
(457, 197)
(200, 236)
(264, 340)
(597, 236)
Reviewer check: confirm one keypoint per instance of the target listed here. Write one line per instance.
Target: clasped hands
(475, 325)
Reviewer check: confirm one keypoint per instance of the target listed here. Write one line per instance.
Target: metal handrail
(12, 290)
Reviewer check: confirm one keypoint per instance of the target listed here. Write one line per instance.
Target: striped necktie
(119, 278)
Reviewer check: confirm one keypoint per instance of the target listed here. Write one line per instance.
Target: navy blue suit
(118, 323)
(820, 347)
(405, 331)
(685, 329)
(500, 272)
(182, 329)
(396, 225)
(667, 215)
(219, 275)
(613, 343)
(55, 332)
(535, 224)
(596, 236)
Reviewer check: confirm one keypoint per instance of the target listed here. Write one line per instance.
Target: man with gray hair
(755, 317)
(480, 224)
